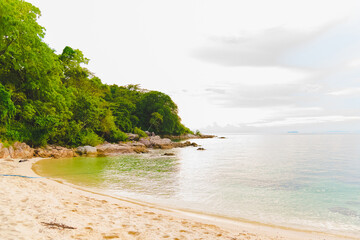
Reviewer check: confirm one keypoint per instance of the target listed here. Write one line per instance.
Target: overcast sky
(260, 65)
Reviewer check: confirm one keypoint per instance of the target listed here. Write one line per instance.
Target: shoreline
(182, 224)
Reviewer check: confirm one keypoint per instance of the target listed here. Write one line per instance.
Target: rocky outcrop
(133, 137)
(157, 142)
(121, 148)
(54, 152)
(86, 150)
(18, 150)
(4, 152)
(21, 150)
(150, 134)
(137, 147)
(184, 144)
(188, 136)
(113, 149)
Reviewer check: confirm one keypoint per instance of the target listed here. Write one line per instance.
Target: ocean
(308, 182)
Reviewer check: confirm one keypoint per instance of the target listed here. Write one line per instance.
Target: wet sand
(41, 208)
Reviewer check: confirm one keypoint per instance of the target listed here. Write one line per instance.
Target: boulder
(163, 143)
(184, 144)
(145, 141)
(138, 147)
(169, 154)
(86, 150)
(133, 137)
(113, 149)
(157, 142)
(22, 150)
(55, 152)
(4, 152)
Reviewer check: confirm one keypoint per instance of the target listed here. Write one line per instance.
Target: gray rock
(157, 142)
(145, 141)
(133, 137)
(86, 150)
(113, 149)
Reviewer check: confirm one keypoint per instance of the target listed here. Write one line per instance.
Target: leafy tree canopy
(49, 98)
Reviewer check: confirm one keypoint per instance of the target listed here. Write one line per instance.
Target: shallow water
(302, 181)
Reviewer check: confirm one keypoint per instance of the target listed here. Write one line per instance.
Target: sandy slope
(40, 208)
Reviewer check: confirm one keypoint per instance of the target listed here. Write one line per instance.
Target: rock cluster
(121, 148)
(4, 152)
(18, 150)
(24, 151)
(184, 144)
(157, 142)
(54, 152)
(188, 136)
(112, 149)
(133, 137)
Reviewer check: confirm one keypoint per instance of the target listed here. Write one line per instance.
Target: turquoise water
(303, 181)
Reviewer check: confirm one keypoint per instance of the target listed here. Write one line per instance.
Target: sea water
(302, 181)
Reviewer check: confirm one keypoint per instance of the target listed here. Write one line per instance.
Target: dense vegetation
(46, 98)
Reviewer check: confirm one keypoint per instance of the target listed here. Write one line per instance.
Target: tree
(47, 98)
(159, 103)
(7, 108)
(155, 121)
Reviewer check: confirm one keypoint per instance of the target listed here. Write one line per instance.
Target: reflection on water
(143, 175)
(306, 181)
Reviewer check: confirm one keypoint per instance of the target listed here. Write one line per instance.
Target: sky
(229, 65)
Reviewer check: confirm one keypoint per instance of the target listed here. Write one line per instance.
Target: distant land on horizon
(233, 129)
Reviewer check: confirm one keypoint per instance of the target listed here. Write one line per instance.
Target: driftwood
(57, 225)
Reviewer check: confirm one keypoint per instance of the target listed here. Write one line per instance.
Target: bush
(139, 132)
(90, 138)
(117, 135)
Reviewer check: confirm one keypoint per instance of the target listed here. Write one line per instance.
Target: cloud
(215, 90)
(244, 96)
(306, 120)
(346, 92)
(266, 48)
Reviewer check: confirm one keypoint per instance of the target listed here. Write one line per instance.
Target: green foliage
(117, 136)
(7, 107)
(139, 132)
(90, 138)
(158, 112)
(47, 98)
(155, 121)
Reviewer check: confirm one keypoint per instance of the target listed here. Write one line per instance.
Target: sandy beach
(41, 208)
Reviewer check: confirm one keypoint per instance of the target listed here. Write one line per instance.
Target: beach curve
(42, 208)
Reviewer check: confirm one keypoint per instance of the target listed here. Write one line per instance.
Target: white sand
(28, 206)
